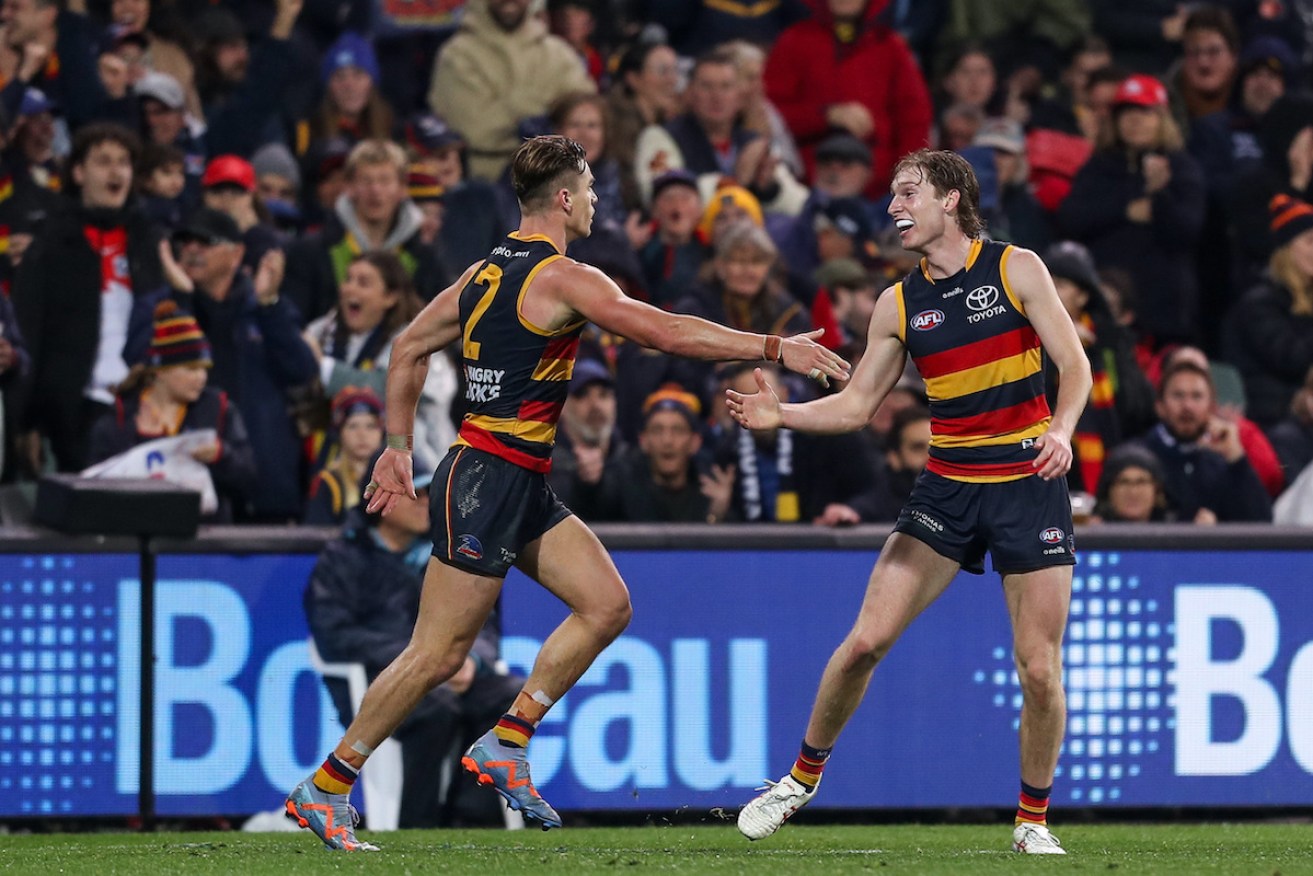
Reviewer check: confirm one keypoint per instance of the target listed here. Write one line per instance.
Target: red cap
(1140, 90)
(229, 169)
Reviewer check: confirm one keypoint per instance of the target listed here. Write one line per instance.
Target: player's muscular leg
(908, 577)
(453, 608)
(1038, 602)
(571, 563)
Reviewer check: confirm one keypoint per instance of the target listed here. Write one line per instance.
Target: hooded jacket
(486, 80)
(317, 263)
(811, 68)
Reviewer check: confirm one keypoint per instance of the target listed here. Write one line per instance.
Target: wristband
(772, 348)
(401, 442)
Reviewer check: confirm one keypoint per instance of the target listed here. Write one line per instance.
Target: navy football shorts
(484, 510)
(1024, 524)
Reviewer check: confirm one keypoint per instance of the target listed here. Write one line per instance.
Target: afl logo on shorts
(470, 548)
(1052, 535)
(927, 320)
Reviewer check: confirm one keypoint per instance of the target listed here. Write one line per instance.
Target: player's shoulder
(575, 273)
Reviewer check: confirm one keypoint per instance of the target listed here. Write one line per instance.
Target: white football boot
(767, 812)
(1035, 839)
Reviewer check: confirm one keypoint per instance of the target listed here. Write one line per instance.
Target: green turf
(1136, 848)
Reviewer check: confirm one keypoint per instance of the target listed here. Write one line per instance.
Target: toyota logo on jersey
(982, 298)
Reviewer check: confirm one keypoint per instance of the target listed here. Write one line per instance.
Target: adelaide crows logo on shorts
(470, 547)
(927, 320)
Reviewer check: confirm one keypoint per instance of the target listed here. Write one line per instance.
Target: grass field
(1134, 848)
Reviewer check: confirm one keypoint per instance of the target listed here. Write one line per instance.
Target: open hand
(801, 354)
(173, 272)
(394, 477)
(758, 411)
(269, 276)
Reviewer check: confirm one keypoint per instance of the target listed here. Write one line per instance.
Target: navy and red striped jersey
(983, 367)
(516, 373)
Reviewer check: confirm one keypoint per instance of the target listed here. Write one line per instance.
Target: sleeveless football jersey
(516, 373)
(983, 367)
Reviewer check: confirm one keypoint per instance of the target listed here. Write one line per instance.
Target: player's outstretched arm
(847, 410)
(591, 293)
(1030, 278)
(437, 325)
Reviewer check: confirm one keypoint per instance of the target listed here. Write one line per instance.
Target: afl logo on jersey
(1052, 535)
(927, 320)
(982, 298)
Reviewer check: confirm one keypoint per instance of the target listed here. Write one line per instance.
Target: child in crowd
(358, 422)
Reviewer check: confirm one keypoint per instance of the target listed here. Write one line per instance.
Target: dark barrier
(1188, 669)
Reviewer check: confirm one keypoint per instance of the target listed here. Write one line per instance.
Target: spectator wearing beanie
(1283, 136)
(260, 359)
(352, 106)
(167, 396)
(1269, 333)
(278, 184)
(672, 259)
(229, 187)
(486, 212)
(357, 417)
(1121, 399)
(660, 479)
(1131, 489)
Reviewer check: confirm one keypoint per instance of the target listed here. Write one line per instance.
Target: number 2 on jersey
(491, 277)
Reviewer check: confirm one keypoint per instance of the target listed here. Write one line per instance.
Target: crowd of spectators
(284, 185)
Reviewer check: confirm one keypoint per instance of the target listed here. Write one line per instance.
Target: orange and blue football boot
(506, 769)
(331, 817)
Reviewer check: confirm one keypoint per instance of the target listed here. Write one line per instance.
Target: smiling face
(105, 176)
(363, 299)
(919, 212)
(131, 15)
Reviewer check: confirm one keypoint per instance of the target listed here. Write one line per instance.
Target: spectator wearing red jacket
(843, 70)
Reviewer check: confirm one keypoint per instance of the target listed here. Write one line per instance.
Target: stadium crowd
(218, 215)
